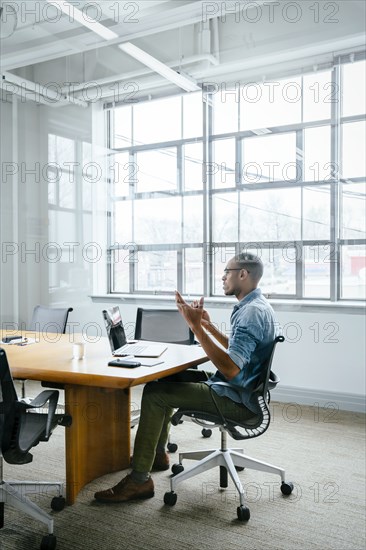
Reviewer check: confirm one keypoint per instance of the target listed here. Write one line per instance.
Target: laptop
(118, 341)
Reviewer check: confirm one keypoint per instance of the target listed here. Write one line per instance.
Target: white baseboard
(316, 398)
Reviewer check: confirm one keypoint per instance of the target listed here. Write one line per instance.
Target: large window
(275, 167)
(69, 252)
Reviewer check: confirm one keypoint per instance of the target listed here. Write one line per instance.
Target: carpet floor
(321, 449)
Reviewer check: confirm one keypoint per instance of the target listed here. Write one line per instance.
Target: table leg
(98, 441)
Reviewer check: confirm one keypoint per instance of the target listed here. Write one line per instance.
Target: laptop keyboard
(131, 349)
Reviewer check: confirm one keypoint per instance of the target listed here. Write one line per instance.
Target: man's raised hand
(205, 316)
(192, 314)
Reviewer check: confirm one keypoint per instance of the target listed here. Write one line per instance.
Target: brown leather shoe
(161, 462)
(125, 490)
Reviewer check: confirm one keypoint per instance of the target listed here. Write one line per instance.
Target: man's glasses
(226, 270)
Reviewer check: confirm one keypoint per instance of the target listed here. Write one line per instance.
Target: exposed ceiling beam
(195, 12)
(252, 68)
(326, 47)
(143, 57)
(36, 92)
(110, 80)
(75, 14)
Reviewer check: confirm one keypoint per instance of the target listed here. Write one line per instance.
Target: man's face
(231, 279)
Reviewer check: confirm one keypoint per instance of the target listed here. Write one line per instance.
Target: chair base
(14, 493)
(230, 459)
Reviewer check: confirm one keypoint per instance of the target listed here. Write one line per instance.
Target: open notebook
(118, 341)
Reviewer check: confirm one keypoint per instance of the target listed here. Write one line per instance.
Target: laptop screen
(114, 327)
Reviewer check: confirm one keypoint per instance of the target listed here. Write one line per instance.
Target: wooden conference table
(96, 396)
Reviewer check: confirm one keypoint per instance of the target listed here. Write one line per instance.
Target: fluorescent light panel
(159, 67)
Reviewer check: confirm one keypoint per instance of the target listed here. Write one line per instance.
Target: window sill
(349, 307)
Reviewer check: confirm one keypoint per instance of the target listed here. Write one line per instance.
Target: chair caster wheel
(287, 488)
(48, 542)
(177, 469)
(239, 468)
(206, 432)
(172, 447)
(58, 503)
(170, 498)
(243, 513)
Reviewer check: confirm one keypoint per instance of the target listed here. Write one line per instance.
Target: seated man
(238, 360)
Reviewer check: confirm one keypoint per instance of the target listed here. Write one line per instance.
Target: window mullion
(300, 261)
(335, 269)
(207, 197)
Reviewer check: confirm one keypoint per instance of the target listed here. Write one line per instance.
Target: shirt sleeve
(247, 332)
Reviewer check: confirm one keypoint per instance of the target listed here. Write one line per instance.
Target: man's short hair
(252, 263)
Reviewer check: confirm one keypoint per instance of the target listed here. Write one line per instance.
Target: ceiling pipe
(215, 39)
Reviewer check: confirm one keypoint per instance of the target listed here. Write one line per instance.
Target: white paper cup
(78, 350)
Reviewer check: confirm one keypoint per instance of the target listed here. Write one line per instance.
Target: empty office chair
(47, 319)
(22, 428)
(50, 319)
(161, 325)
(229, 460)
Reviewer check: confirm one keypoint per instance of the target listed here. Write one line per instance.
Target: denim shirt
(253, 327)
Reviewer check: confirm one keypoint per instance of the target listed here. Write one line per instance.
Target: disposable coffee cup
(78, 350)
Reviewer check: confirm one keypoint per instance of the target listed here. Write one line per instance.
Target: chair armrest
(42, 399)
(273, 380)
(50, 396)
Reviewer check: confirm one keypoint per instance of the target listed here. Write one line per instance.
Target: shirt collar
(256, 293)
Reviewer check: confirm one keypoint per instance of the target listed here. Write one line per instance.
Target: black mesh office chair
(161, 325)
(229, 460)
(50, 319)
(47, 319)
(22, 428)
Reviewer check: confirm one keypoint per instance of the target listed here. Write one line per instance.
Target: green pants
(157, 407)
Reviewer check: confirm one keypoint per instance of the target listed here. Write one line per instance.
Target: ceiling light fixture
(146, 59)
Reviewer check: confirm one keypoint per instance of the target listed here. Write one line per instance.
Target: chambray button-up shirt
(253, 327)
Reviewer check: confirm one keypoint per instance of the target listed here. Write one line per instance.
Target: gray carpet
(322, 453)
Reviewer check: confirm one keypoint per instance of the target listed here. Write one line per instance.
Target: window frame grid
(208, 191)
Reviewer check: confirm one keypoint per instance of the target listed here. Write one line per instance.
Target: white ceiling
(207, 41)
(44, 33)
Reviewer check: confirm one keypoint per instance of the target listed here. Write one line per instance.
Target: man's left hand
(192, 315)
